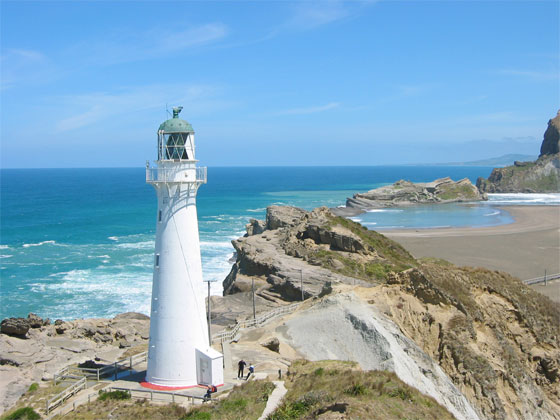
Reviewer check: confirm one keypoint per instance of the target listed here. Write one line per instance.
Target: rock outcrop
(496, 339)
(301, 253)
(540, 176)
(405, 193)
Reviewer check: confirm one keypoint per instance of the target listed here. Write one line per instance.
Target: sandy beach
(525, 248)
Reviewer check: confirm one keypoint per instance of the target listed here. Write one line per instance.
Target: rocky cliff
(403, 193)
(540, 176)
(494, 337)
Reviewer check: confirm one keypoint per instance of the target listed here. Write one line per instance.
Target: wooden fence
(65, 394)
(153, 394)
(229, 335)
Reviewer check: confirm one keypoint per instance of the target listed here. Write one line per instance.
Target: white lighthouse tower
(179, 353)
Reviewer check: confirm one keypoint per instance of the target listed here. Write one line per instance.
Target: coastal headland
(479, 342)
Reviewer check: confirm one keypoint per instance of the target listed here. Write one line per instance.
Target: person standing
(241, 366)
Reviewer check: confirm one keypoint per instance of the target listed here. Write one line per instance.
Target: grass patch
(345, 391)
(33, 387)
(23, 413)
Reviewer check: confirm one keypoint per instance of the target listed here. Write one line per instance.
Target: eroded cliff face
(540, 176)
(496, 339)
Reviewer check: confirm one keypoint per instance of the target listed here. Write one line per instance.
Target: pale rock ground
(45, 352)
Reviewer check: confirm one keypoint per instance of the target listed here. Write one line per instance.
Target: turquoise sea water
(78, 243)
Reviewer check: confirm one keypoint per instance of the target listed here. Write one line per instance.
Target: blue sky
(85, 84)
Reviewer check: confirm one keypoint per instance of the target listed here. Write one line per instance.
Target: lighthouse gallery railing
(172, 175)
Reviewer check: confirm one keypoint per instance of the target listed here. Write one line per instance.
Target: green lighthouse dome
(176, 124)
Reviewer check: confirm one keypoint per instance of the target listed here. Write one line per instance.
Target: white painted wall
(178, 316)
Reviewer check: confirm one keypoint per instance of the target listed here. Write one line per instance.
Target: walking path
(274, 399)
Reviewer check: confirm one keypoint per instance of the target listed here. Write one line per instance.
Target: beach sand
(525, 248)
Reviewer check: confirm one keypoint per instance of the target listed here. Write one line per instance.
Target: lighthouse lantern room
(179, 347)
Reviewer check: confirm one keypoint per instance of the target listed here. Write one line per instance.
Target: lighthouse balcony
(172, 175)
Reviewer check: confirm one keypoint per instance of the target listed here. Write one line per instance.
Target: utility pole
(301, 283)
(253, 289)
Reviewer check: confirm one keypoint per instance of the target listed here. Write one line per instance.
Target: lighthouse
(179, 353)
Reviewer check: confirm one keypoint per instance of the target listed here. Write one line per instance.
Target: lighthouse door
(205, 376)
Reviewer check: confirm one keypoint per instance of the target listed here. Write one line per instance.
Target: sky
(87, 83)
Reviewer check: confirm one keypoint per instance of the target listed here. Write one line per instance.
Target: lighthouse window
(157, 260)
(175, 146)
(159, 216)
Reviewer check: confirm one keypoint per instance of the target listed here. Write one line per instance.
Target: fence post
(545, 277)
(97, 374)
(74, 406)
(89, 398)
(47, 407)
(173, 397)
(115, 371)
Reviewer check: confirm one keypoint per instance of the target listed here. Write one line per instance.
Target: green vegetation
(33, 387)
(451, 192)
(113, 395)
(344, 390)
(23, 413)
(382, 257)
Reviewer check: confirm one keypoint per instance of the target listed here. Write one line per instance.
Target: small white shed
(209, 367)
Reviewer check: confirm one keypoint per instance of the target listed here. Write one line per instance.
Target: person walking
(251, 370)
(241, 366)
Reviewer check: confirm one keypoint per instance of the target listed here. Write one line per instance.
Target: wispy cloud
(308, 15)
(309, 110)
(133, 45)
(23, 65)
(536, 75)
(100, 106)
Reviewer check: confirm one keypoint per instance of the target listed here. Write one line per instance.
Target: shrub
(33, 387)
(24, 413)
(113, 395)
(356, 389)
(402, 393)
(319, 371)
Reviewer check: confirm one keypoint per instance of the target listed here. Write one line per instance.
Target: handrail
(177, 175)
(65, 394)
(542, 279)
(154, 391)
(97, 373)
(248, 323)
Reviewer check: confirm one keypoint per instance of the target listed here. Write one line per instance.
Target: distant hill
(500, 161)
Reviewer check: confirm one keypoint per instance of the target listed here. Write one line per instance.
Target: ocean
(78, 243)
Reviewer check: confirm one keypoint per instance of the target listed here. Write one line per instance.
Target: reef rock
(15, 326)
(403, 193)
